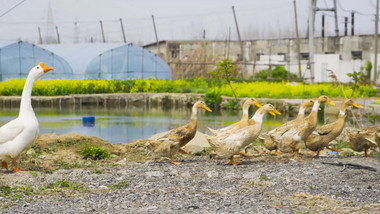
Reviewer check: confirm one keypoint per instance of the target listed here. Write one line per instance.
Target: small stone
(154, 174)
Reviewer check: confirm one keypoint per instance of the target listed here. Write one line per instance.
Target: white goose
(18, 134)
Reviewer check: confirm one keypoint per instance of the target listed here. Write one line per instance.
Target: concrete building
(341, 55)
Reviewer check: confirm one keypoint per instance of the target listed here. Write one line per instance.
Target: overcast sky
(79, 20)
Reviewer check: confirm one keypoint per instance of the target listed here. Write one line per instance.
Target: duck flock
(227, 142)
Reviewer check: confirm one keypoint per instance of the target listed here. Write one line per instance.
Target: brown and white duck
(365, 139)
(302, 129)
(323, 135)
(271, 139)
(240, 124)
(169, 144)
(226, 146)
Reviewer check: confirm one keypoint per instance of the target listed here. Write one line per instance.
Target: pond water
(119, 125)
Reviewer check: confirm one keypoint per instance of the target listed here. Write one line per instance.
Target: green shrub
(94, 152)
(213, 98)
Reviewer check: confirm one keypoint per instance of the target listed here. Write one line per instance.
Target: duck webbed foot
(235, 161)
(245, 154)
(16, 169)
(333, 149)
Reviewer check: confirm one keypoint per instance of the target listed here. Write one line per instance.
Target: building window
(174, 50)
(258, 56)
(305, 56)
(329, 52)
(282, 54)
(356, 55)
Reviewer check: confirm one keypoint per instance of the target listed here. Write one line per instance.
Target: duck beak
(272, 113)
(276, 112)
(207, 108)
(46, 69)
(355, 105)
(258, 105)
(330, 102)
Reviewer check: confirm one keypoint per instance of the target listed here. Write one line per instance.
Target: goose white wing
(10, 130)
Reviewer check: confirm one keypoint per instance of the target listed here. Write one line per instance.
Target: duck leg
(16, 169)
(317, 155)
(366, 154)
(4, 164)
(172, 159)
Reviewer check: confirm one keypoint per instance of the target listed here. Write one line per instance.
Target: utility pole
(101, 27)
(238, 32)
(39, 34)
(323, 26)
(352, 23)
(376, 76)
(58, 37)
(312, 4)
(155, 33)
(298, 42)
(334, 10)
(345, 26)
(204, 34)
(122, 30)
(336, 20)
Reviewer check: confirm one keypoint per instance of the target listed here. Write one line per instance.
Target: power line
(12, 8)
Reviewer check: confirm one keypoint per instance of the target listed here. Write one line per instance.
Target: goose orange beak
(276, 112)
(207, 108)
(258, 105)
(330, 103)
(46, 69)
(355, 105)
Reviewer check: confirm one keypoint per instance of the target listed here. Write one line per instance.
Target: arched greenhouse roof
(18, 57)
(80, 55)
(128, 62)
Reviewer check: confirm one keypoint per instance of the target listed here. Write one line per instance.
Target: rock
(193, 149)
(154, 174)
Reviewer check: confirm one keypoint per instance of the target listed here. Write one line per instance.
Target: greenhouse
(17, 58)
(111, 61)
(128, 62)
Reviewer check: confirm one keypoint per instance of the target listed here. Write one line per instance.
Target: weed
(120, 185)
(66, 184)
(343, 144)
(263, 178)
(94, 152)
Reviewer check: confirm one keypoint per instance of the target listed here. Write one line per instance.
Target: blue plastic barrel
(88, 121)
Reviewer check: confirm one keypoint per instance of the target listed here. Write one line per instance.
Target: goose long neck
(245, 112)
(258, 116)
(314, 111)
(26, 98)
(342, 111)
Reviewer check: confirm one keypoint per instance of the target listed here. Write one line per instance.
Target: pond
(119, 125)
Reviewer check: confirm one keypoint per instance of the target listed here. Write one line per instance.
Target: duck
(243, 121)
(365, 139)
(270, 139)
(322, 136)
(18, 134)
(172, 142)
(230, 144)
(301, 130)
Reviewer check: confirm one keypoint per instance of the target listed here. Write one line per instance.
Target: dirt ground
(130, 181)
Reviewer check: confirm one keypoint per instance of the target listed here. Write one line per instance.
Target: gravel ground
(265, 184)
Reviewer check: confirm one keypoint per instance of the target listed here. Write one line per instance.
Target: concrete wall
(335, 53)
